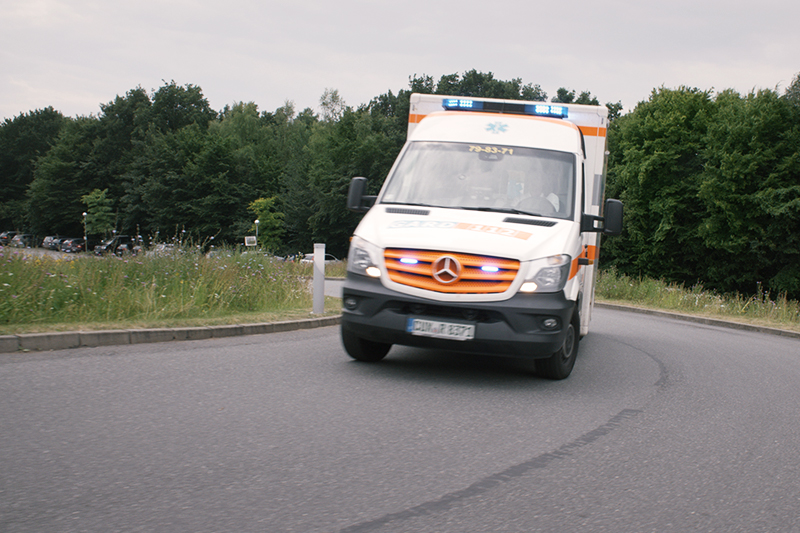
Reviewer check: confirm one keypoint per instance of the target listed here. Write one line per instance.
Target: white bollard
(319, 278)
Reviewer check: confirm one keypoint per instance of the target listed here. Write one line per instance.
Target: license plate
(440, 330)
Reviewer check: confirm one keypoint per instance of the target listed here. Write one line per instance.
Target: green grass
(40, 293)
(761, 309)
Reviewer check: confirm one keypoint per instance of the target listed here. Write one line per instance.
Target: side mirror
(356, 199)
(613, 217)
(609, 224)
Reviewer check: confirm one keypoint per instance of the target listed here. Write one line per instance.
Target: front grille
(414, 268)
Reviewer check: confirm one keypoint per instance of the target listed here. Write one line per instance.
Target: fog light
(350, 303)
(550, 323)
(373, 271)
(528, 286)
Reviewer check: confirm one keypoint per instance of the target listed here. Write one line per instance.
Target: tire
(362, 349)
(559, 365)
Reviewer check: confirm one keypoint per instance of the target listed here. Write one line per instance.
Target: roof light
(516, 108)
(555, 111)
(462, 104)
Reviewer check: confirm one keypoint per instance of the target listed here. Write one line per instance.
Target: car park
(76, 245)
(309, 258)
(52, 242)
(22, 240)
(163, 249)
(6, 236)
(119, 244)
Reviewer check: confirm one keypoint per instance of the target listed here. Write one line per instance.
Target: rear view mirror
(613, 217)
(356, 199)
(609, 224)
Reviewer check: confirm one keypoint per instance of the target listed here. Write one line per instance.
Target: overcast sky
(76, 54)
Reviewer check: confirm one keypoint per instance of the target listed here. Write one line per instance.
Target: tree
(655, 166)
(23, 140)
(175, 107)
(751, 194)
(332, 105)
(100, 219)
(793, 91)
(474, 83)
(61, 178)
(566, 96)
(270, 222)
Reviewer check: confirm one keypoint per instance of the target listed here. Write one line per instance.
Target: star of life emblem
(496, 127)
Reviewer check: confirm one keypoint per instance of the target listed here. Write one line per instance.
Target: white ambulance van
(485, 235)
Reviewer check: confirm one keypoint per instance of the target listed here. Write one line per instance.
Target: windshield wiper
(422, 205)
(509, 210)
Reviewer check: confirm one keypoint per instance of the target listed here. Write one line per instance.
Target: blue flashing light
(408, 261)
(517, 108)
(546, 110)
(463, 104)
(490, 269)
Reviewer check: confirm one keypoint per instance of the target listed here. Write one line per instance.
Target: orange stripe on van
(591, 131)
(415, 119)
(590, 253)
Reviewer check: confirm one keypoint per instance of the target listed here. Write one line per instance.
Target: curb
(76, 339)
(701, 320)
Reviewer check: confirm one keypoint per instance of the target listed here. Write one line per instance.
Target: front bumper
(521, 326)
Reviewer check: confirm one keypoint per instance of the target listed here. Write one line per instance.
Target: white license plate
(440, 330)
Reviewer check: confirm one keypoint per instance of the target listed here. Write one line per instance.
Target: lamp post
(256, 222)
(85, 239)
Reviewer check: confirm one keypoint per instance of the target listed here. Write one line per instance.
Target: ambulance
(485, 235)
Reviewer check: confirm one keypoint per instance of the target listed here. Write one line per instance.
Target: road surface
(663, 426)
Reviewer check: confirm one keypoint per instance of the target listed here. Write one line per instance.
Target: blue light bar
(555, 111)
(463, 104)
(538, 110)
(490, 269)
(408, 261)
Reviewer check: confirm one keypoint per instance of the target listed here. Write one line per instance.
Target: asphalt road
(663, 426)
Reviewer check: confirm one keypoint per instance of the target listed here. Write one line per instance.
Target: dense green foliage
(711, 182)
(711, 187)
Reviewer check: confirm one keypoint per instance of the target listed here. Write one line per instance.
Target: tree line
(711, 187)
(711, 183)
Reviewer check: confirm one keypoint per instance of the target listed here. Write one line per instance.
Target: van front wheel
(362, 349)
(559, 365)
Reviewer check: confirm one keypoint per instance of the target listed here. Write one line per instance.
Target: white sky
(76, 54)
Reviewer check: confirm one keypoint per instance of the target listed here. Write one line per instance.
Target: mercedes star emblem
(446, 269)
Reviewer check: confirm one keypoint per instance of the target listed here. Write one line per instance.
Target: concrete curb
(75, 339)
(701, 320)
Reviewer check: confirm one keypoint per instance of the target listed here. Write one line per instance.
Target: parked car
(163, 249)
(77, 245)
(52, 242)
(120, 244)
(6, 236)
(22, 240)
(309, 258)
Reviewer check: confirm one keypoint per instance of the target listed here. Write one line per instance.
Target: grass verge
(64, 293)
(761, 309)
(39, 293)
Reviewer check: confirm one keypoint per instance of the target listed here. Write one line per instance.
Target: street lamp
(85, 239)
(257, 221)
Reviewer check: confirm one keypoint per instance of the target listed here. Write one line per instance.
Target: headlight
(363, 258)
(547, 275)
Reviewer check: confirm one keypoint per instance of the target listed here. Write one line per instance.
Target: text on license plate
(441, 330)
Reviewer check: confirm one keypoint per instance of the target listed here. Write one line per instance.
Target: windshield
(502, 178)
